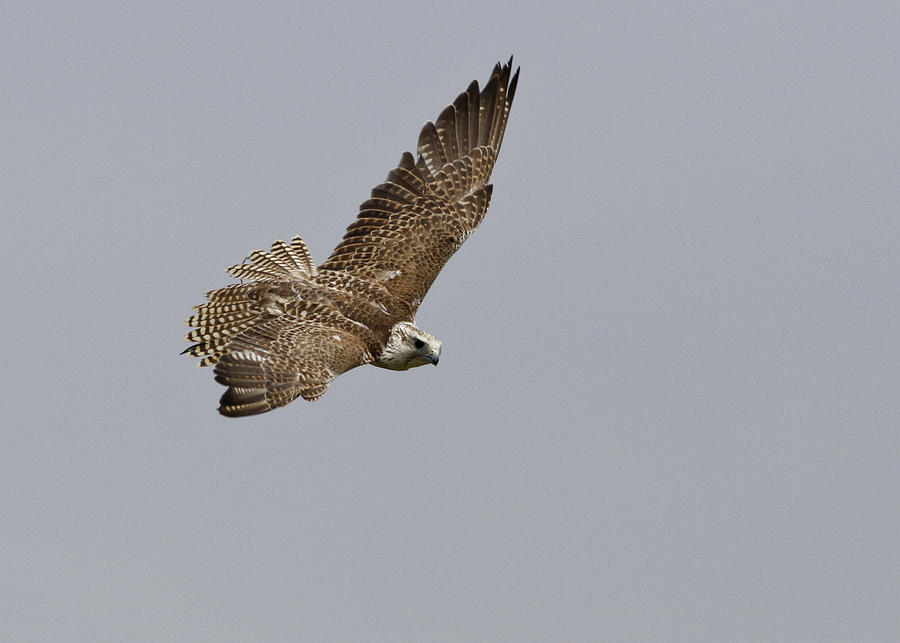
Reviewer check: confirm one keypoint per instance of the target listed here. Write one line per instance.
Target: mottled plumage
(292, 327)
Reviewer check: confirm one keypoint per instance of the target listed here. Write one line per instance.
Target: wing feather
(427, 207)
(275, 362)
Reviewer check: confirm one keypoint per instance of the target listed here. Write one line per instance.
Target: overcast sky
(668, 401)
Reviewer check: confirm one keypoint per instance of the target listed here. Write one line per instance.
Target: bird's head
(408, 347)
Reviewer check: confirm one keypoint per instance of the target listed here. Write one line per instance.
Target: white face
(408, 347)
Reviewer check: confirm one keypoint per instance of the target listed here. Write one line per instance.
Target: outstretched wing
(426, 208)
(292, 355)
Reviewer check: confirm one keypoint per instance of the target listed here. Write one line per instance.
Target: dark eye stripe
(418, 343)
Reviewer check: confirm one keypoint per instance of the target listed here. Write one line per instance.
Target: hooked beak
(434, 359)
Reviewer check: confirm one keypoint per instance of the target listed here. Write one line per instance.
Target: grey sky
(667, 404)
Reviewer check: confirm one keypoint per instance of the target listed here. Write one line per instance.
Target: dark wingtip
(511, 91)
(248, 402)
(507, 68)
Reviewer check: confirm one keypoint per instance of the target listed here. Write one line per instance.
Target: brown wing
(421, 215)
(295, 354)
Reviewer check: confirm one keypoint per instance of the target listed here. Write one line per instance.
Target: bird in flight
(290, 327)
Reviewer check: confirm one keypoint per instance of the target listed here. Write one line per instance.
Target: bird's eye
(418, 343)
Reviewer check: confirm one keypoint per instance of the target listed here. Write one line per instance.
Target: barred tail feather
(285, 262)
(213, 329)
(233, 309)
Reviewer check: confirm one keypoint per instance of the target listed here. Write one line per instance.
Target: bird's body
(293, 327)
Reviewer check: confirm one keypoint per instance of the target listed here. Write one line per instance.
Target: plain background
(669, 398)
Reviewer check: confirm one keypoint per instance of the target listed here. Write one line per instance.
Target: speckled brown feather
(272, 363)
(422, 213)
(293, 328)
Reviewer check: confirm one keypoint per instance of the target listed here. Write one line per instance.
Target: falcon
(290, 327)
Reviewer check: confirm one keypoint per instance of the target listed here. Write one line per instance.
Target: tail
(233, 309)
